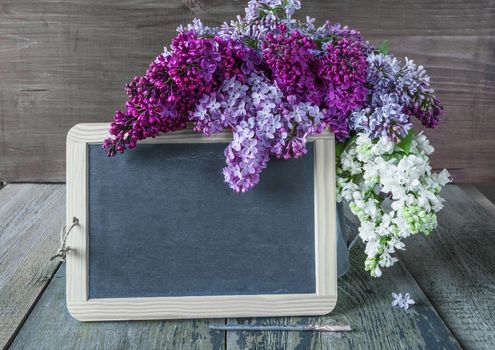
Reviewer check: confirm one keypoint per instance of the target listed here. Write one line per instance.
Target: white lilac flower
(423, 144)
(371, 170)
(387, 260)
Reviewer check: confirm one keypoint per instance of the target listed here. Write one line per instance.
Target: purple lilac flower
(251, 109)
(146, 114)
(273, 81)
(304, 119)
(271, 132)
(422, 102)
(427, 111)
(263, 122)
(246, 157)
(383, 71)
(408, 94)
(162, 100)
(343, 69)
(291, 59)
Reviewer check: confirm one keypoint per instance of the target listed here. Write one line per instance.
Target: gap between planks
(31, 308)
(478, 196)
(364, 303)
(30, 219)
(456, 269)
(50, 326)
(227, 335)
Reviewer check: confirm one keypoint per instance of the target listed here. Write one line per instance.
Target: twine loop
(63, 249)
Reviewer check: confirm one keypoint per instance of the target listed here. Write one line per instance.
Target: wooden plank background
(66, 62)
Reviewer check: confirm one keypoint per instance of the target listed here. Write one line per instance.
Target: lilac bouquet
(273, 81)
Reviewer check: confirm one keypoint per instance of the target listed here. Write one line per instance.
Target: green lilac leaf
(339, 149)
(383, 48)
(405, 143)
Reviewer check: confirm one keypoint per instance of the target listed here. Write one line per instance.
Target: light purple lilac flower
(409, 83)
(383, 72)
(198, 28)
(385, 120)
(263, 122)
(422, 102)
(403, 302)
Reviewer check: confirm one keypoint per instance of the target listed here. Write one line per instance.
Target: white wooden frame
(84, 309)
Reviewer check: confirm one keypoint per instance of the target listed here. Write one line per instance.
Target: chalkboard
(161, 235)
(164, 223)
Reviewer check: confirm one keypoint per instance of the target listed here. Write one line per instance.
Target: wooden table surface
(450, 274)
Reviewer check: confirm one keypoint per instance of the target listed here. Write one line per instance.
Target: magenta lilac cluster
(272, 81)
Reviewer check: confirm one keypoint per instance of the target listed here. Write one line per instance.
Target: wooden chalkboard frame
(84, 309)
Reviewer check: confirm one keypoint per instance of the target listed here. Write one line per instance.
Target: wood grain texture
(364, 304)
(456, 270)
(30, 219)
(479, 197)
(50, 327)
(325, 218)
(97, 132)
(455, 41)
(488, 190)
(319, 303)
(459, 282)
(66, 62)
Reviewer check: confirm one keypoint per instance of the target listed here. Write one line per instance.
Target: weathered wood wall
(66, 62)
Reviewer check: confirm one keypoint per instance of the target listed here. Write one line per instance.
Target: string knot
(63, 249)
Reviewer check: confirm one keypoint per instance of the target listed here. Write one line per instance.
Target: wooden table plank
(30, 220)
(488, 190)
(364, 303)
(50, 326)
(455, 267)
(479, 197)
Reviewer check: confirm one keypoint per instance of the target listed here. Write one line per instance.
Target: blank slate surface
(162, 222)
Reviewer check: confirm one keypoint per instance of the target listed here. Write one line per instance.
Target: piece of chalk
(305, 328)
